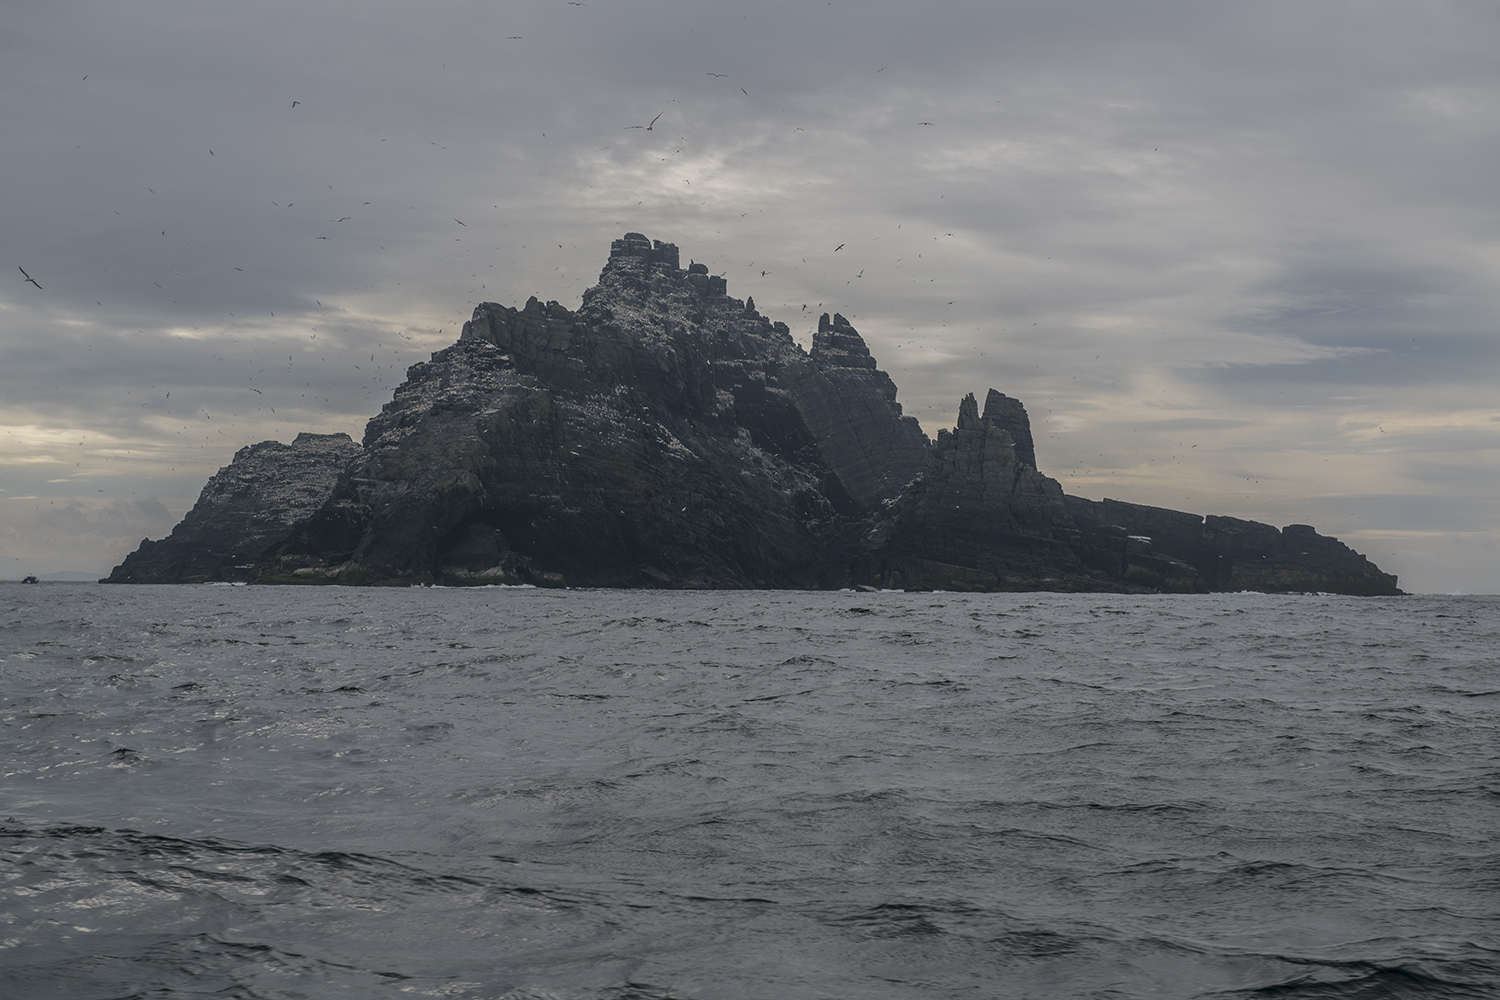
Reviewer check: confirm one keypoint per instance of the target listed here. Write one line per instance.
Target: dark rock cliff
(247, 510)
(850, 408)
(1225, 552)
(666, 434)
(662, 434)
(981, 516)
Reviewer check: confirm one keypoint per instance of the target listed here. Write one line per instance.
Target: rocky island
(665, 434)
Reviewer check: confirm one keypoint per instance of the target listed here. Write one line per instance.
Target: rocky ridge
(248, 507)
(665, 434)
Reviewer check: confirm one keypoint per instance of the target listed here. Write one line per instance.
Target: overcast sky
(1236, 259)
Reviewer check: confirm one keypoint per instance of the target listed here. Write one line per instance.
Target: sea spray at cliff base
(278, 793)
(666, 434)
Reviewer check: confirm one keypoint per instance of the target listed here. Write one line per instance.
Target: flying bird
(924, 123)
(344, 219)
(718, 74)
(839, 247)
(28, 277)
(295, 103)
(460, 223)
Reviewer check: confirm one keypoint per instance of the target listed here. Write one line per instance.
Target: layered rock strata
(1225, 552)
(665, 434)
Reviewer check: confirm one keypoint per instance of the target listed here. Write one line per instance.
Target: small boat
(31, 579)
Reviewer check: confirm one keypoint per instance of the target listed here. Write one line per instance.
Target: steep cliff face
(979, 517)
(656, 436)
(666, 434)
(850, 407)
(1010, 416)
(249, 507)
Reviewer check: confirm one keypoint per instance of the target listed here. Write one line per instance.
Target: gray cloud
(1270, 227)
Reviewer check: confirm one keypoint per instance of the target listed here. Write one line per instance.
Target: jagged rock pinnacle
(667, 434)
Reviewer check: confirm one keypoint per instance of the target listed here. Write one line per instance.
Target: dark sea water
(241, 792)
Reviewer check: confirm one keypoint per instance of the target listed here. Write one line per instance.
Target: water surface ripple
(246, 792)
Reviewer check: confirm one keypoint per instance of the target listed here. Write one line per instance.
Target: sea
(280, 792)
